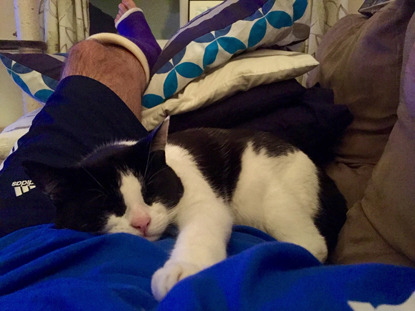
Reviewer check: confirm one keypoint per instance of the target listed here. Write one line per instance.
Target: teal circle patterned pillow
(211, 39)
(36, 74)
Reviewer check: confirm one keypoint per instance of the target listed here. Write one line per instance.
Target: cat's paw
(166, 277)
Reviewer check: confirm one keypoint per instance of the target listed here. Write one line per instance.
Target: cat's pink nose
(141, 223)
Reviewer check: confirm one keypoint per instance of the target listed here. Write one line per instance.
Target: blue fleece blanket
(42, 268)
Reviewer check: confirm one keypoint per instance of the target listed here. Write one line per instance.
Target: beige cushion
(361, 60)
(381, 226)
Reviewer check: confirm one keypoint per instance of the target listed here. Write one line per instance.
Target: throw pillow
(212, 38)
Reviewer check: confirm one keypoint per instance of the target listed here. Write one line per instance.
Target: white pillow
(239, 74)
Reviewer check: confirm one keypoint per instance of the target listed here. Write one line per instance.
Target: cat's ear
(155, 141)
(160, 134)
(50, 180)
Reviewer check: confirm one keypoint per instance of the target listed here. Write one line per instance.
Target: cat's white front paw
(166, 277)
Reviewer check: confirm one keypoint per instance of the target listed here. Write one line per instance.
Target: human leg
(111, 65)
(121, 62)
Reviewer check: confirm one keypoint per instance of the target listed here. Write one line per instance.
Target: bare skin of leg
(111, 65)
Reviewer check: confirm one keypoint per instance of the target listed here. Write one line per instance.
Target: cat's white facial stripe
(131, 190)
(137, 212)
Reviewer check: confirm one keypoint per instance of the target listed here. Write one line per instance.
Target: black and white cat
(204, 181)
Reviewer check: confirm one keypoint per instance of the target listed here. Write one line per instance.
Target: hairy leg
(121, 62)
(111, 65)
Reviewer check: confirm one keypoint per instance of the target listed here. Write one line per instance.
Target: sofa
(368, 62)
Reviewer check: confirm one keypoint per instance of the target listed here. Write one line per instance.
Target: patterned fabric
(63, 23)
(38, 83)
(212, 38)
(324, 14)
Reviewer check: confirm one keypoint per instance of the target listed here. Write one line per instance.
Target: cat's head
(117, 188)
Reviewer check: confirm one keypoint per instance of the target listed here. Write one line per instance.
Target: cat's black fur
(218, 153)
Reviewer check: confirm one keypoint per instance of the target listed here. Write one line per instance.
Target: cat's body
(204, 181)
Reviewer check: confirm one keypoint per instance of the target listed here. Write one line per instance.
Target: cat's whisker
(97, 193)
(97, 198)
(171, 214)
(92, 176)
(150, 179)
(149, 158)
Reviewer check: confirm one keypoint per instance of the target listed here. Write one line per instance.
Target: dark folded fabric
(306, 118)
(241, 107)
(313, 124)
